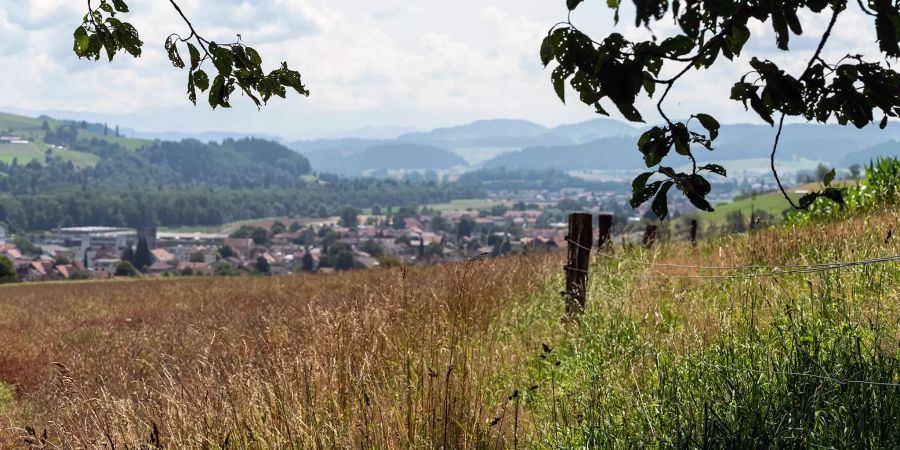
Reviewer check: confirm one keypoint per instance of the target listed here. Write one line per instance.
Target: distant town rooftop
(94, 230)
(191, 236)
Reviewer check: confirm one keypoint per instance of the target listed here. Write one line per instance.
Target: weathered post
(694, 232)
(649, 236)
(579, 243)
(604, 238)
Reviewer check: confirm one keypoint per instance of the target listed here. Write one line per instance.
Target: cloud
(367, 63)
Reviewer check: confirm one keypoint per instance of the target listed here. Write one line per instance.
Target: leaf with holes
(660, 204)
(639, 197)
(715, 168)
(711, 125)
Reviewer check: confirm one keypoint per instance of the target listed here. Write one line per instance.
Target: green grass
(466, 204)
(791, 361)
(25, 153)
(772, 203)
(30, 128)
(7, 395)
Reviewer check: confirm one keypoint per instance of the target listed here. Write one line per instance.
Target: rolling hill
(354, 160)
(33, 130)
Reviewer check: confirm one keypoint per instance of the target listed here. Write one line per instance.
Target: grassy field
(25, 153)
(30, 128)
(475, 203)
(476, 355)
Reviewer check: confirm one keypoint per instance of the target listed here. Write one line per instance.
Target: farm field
(26, 153)
(475, 203)
(680, 347)
(30, 128)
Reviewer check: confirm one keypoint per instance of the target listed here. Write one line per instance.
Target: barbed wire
(776, 270)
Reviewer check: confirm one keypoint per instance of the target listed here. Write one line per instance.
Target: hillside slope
(671, 352)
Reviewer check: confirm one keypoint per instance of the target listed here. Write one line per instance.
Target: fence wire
(776, 270)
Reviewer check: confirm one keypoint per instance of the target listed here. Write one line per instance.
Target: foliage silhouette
(850, 90)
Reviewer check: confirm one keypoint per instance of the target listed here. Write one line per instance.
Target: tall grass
(376, 359)
(790, 361)
(474, 355)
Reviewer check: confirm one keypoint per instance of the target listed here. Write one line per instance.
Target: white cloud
(367, 63)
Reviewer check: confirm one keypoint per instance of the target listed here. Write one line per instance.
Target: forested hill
(239, 164)
(53, 155)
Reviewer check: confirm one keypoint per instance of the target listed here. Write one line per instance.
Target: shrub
(126, 269)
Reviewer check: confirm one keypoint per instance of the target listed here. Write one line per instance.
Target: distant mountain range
(600, 144)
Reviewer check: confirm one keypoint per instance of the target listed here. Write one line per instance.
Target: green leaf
(192, 89)
(716, 169)
(835, 195)
(216, 91)
(700, 202)
(808, 199)
(559, 82)
(641, 181)
(790, 13)
(829, 177)
(757, 104)
(740, 34)
(253, 55)
(711, 125)
(222, 59)
(195, 56)
(572, 4)
(660, 204)
(120, 6)
(174, 57)
(547, 50)
(654, 145)
(82, 42)
(677, 45)
(201, 80)
(681, 138)
(649, 84)
(639, 197)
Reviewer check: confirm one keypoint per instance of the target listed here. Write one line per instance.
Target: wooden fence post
(579, 243)
(694, 232)
(649, 236)
(604, 238)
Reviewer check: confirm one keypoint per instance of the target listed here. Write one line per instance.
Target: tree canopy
(615, 70)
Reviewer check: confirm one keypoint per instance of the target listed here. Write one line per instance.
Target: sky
(372, 66)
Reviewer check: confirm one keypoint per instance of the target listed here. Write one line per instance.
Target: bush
(7, 271)
(880, 187)
(126, 269)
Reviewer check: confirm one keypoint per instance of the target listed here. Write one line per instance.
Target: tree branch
(816, 56)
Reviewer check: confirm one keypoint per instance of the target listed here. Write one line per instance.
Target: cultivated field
(742, 342)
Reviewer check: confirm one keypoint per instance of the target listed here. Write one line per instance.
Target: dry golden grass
(376, 359)
(427, 358)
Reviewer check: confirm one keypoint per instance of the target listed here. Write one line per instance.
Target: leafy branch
(236, 65)
(619, 70)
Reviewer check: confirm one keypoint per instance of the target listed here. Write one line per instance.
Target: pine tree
(142, 256)
(128, 254)
(262, 265)
(308, 262)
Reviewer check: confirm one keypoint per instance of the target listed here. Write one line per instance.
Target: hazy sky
(368, 63)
